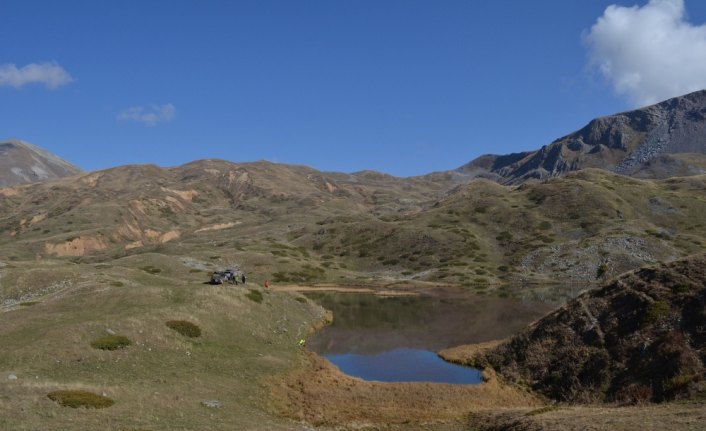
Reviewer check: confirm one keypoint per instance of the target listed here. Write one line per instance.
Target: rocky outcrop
(640, 338)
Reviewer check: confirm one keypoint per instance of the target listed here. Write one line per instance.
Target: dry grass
(671, 416)
(318, 393)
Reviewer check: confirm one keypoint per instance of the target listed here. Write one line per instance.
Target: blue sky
(405, 87)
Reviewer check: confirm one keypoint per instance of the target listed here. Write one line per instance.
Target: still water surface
(394, 339)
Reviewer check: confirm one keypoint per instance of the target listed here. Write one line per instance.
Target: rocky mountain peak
(625, 143)
(22, 162)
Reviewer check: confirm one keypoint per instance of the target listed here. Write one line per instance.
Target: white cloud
(50, 74)
(649, 53)
(150, 117)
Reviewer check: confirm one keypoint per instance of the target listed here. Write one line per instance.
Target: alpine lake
(395, 338)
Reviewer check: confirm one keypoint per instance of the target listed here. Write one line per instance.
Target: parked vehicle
(221, 277)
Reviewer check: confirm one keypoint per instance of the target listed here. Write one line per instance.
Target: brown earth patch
(318, 393)
(76, 247)
(137, 206)
(168, 236)
(24, 223)
(9, 192)
(91, 179)
(129, 231)
(152, 234)
(217, 226)
(134, 244)
(187, 195)
(176, 203)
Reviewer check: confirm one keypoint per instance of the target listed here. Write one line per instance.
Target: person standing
(242, 278)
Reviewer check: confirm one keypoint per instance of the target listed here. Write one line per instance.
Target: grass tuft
(76, 399)
(185, 328)
(111, 342)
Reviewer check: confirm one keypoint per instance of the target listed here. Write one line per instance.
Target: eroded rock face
(21, 163)
(640, 338)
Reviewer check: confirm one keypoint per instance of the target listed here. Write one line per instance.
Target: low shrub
(185, 328)
(111, 342)
(545, 225)
(602, 270)
(76, 399)
(655, 312)
(151, 269)
(255, 295)
(28, 303)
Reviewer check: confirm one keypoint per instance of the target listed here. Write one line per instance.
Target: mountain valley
(128, 251)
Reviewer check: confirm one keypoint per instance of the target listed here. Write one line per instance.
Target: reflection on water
(367, 324)
(394, 338)
(404, 365)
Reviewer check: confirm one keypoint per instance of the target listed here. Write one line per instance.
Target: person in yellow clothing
(302, 343)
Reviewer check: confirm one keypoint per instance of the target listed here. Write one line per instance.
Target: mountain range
(536, 216)
(659, 141)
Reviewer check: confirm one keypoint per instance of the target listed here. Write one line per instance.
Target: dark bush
(185, 328)
(545, 225)
(111, 342)
(76, 399)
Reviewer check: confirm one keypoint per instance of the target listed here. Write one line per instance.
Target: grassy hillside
(292, 224)
(62, 311)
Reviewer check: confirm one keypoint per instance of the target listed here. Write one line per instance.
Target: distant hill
(648, 143)
(21, 162)
(296, 224)
(640, 338)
